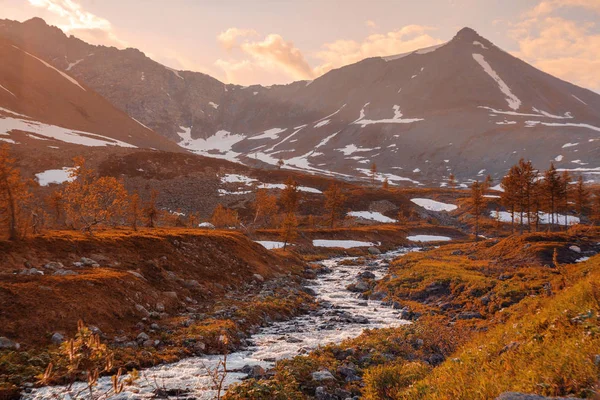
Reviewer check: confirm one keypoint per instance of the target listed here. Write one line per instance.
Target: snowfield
(545, 218)
(8, 124)
(433, 205)
(221, 142)
(372, 216)
(57, 176)
(428, 238)
(344, 244)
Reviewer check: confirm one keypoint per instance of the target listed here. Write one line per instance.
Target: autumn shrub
(385, 382)
(283, 387)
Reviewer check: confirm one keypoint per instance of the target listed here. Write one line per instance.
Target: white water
(281, 340)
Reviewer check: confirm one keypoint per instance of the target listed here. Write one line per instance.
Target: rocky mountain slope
(44, 106)
(465, 107)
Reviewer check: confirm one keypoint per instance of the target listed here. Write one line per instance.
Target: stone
(367, 275)
(191, 284)
(469, 315)
(374, 251)
(142, 310)
(57, 338)
(160, 307)
(323, 375)
(31, 271)
(254, 371)
(171, 295)
(142, 337)
(378, 296)
(7, 344)
(64, 272)
(88, 262)
(258, 277)
(54, 265)
(574, 248)
(137, 274)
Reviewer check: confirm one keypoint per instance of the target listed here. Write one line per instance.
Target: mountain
(465, 107)
(42, 105)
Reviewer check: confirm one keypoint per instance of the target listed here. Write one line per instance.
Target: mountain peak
(36, 21)
(467, 33)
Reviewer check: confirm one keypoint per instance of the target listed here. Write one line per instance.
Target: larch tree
(582, 198)
(451, 181)
(564, 196)
(526, 175)
(135, 210)
(265, 207)
(551, 191)
(509, 196)
(280, 163)
(224, 217)
(477, 202)
(595, 214)
(488, 183)
(56, 204)
(289, 229)
(14, 195)
(151, 211)
(334, 203)
(91, 201)
(385, 184)
(290, 196)
(373, 173)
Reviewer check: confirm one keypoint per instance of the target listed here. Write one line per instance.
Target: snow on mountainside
(460, 107)
(42, 105)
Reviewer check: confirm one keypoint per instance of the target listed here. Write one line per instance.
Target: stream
(342, 315)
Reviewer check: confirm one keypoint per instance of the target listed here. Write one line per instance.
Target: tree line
(532, 197)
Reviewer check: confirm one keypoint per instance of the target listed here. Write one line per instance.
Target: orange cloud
(78, 22)
(276, 55)
(565, 48)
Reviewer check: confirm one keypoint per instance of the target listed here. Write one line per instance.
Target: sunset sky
(279, 41)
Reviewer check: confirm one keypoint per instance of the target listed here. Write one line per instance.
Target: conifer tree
(151, 211)
(509, 197)
(135, 210)
(289, 229)
(373, 173)
(265, 207)
(477, 204)
(290, 196)
(564, 195)
(551, 191)
(451, 181)
(488, 183)
(334, 201)
(385, 184)
(582, 198)
(14, 194)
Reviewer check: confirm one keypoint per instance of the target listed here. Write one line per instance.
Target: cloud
(562, 47)
(276, 55)
(344, 52)
(370, 23)
(229, 38)
(549, 6)
(76, 21)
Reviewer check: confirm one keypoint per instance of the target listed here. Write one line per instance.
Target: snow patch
(218, 145)
(396, 119)
(67, 77)
(322, 123)
(512, 100)
(428, 238)
(272, 133)
(270, 245)
(478, 43)
(373, 216)
(57, 176)
(433, 205)
(564, 146)
(2, 87)
(505, 216)
(344, 244)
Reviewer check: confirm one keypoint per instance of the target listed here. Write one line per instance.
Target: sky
(280, 41)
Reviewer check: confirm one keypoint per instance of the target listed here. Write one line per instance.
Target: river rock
(7, 344)
(57, 338)
(323, 375)
(374, 251)
(254, 371)
(367, 275)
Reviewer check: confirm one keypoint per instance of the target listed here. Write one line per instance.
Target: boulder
(7, 344)
(88, 262)
(323, 375)
(54, 265)
(374, 251)
(57, 338)
(143, 337)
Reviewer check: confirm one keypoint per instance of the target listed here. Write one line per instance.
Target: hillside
(465, 107)
(41, 106)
